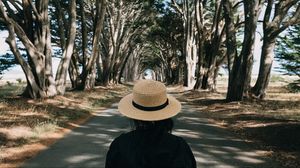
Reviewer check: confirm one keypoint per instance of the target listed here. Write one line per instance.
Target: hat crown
(149, 93)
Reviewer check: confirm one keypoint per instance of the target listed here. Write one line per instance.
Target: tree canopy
(287, 52)
(101, 42)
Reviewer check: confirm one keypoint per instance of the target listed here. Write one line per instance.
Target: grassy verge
(28, 126)
(273, 123)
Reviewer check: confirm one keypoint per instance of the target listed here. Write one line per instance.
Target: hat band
(153, 108)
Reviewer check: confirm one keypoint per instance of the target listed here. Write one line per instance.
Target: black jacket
(138, 149)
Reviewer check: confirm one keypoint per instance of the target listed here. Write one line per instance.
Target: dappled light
(40, 123)
(233, 65)
(203, 123)
(212, 145)
(93, 141)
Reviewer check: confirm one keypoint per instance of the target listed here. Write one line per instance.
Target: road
(213, 147)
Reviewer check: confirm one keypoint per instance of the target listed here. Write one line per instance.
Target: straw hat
(149, 102)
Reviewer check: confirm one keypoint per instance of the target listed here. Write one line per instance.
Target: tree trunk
(189, 42)
(191, 59)
(89, 74)
(84, 34)
(61, 23)
(123, 65)
(277, 18)
(212, 48)
(38, 70)
(32, 89)
(241, 72)
(61, 75)
(231, 44)
(131, 69)
(267, 57)
(74, 71)
(99, 70)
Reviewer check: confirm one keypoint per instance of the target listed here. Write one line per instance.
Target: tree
(279, 15)
(210, 38)
(61, 74)
(287, 51)
(29, 22)
(77, 31)
(125, 21)
(240, 75)
(131, 70)
(88, 76)
(186, 9)
(203, 38)
(165, 45)
(231, 41)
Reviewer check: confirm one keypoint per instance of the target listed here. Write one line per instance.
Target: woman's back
(143, 149)
(151, 144)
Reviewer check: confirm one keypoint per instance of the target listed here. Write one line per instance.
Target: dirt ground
(272, 123)
(28, 126)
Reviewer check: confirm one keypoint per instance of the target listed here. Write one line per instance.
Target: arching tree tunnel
(101, 42)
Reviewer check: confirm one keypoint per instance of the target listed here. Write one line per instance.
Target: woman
(150, 144)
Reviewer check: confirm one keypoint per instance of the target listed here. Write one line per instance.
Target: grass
(294, 86)
(273, 123)
(106, 100)
(277, 78)
(43, 127)
(10, 89)
(27, 122)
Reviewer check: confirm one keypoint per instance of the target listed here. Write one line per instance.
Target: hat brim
(126, 108)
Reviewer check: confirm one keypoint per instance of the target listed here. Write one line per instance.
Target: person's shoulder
(175, 137)
(174, 140)
(124, 136)
(180, 141)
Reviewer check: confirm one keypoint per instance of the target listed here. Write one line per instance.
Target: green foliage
(10, 89)
(19, 80)
(105, 101)
(294, 87)
(6, 62)
(276, 78)
(287, 51)
(167, 33)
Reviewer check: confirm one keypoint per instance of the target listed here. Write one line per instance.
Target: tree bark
(241, 71)
(32, 89)
(273, 25)
(74, 71)
(189, 43)
(40, 82)
(89, 75)
(61, 74)
(267, 57)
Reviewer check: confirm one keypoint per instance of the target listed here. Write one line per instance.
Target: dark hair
(153, 130)
(163, 126)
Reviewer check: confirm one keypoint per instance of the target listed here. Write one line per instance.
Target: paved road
(212, 146)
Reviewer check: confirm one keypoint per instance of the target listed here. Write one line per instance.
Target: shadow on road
(86, 146)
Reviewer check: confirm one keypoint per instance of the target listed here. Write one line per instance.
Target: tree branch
(237, 4)
(32, 51)
(36, 13)
(11, 12)
(176, 7)
(268, 13)
(17, 6)
(295, 19)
